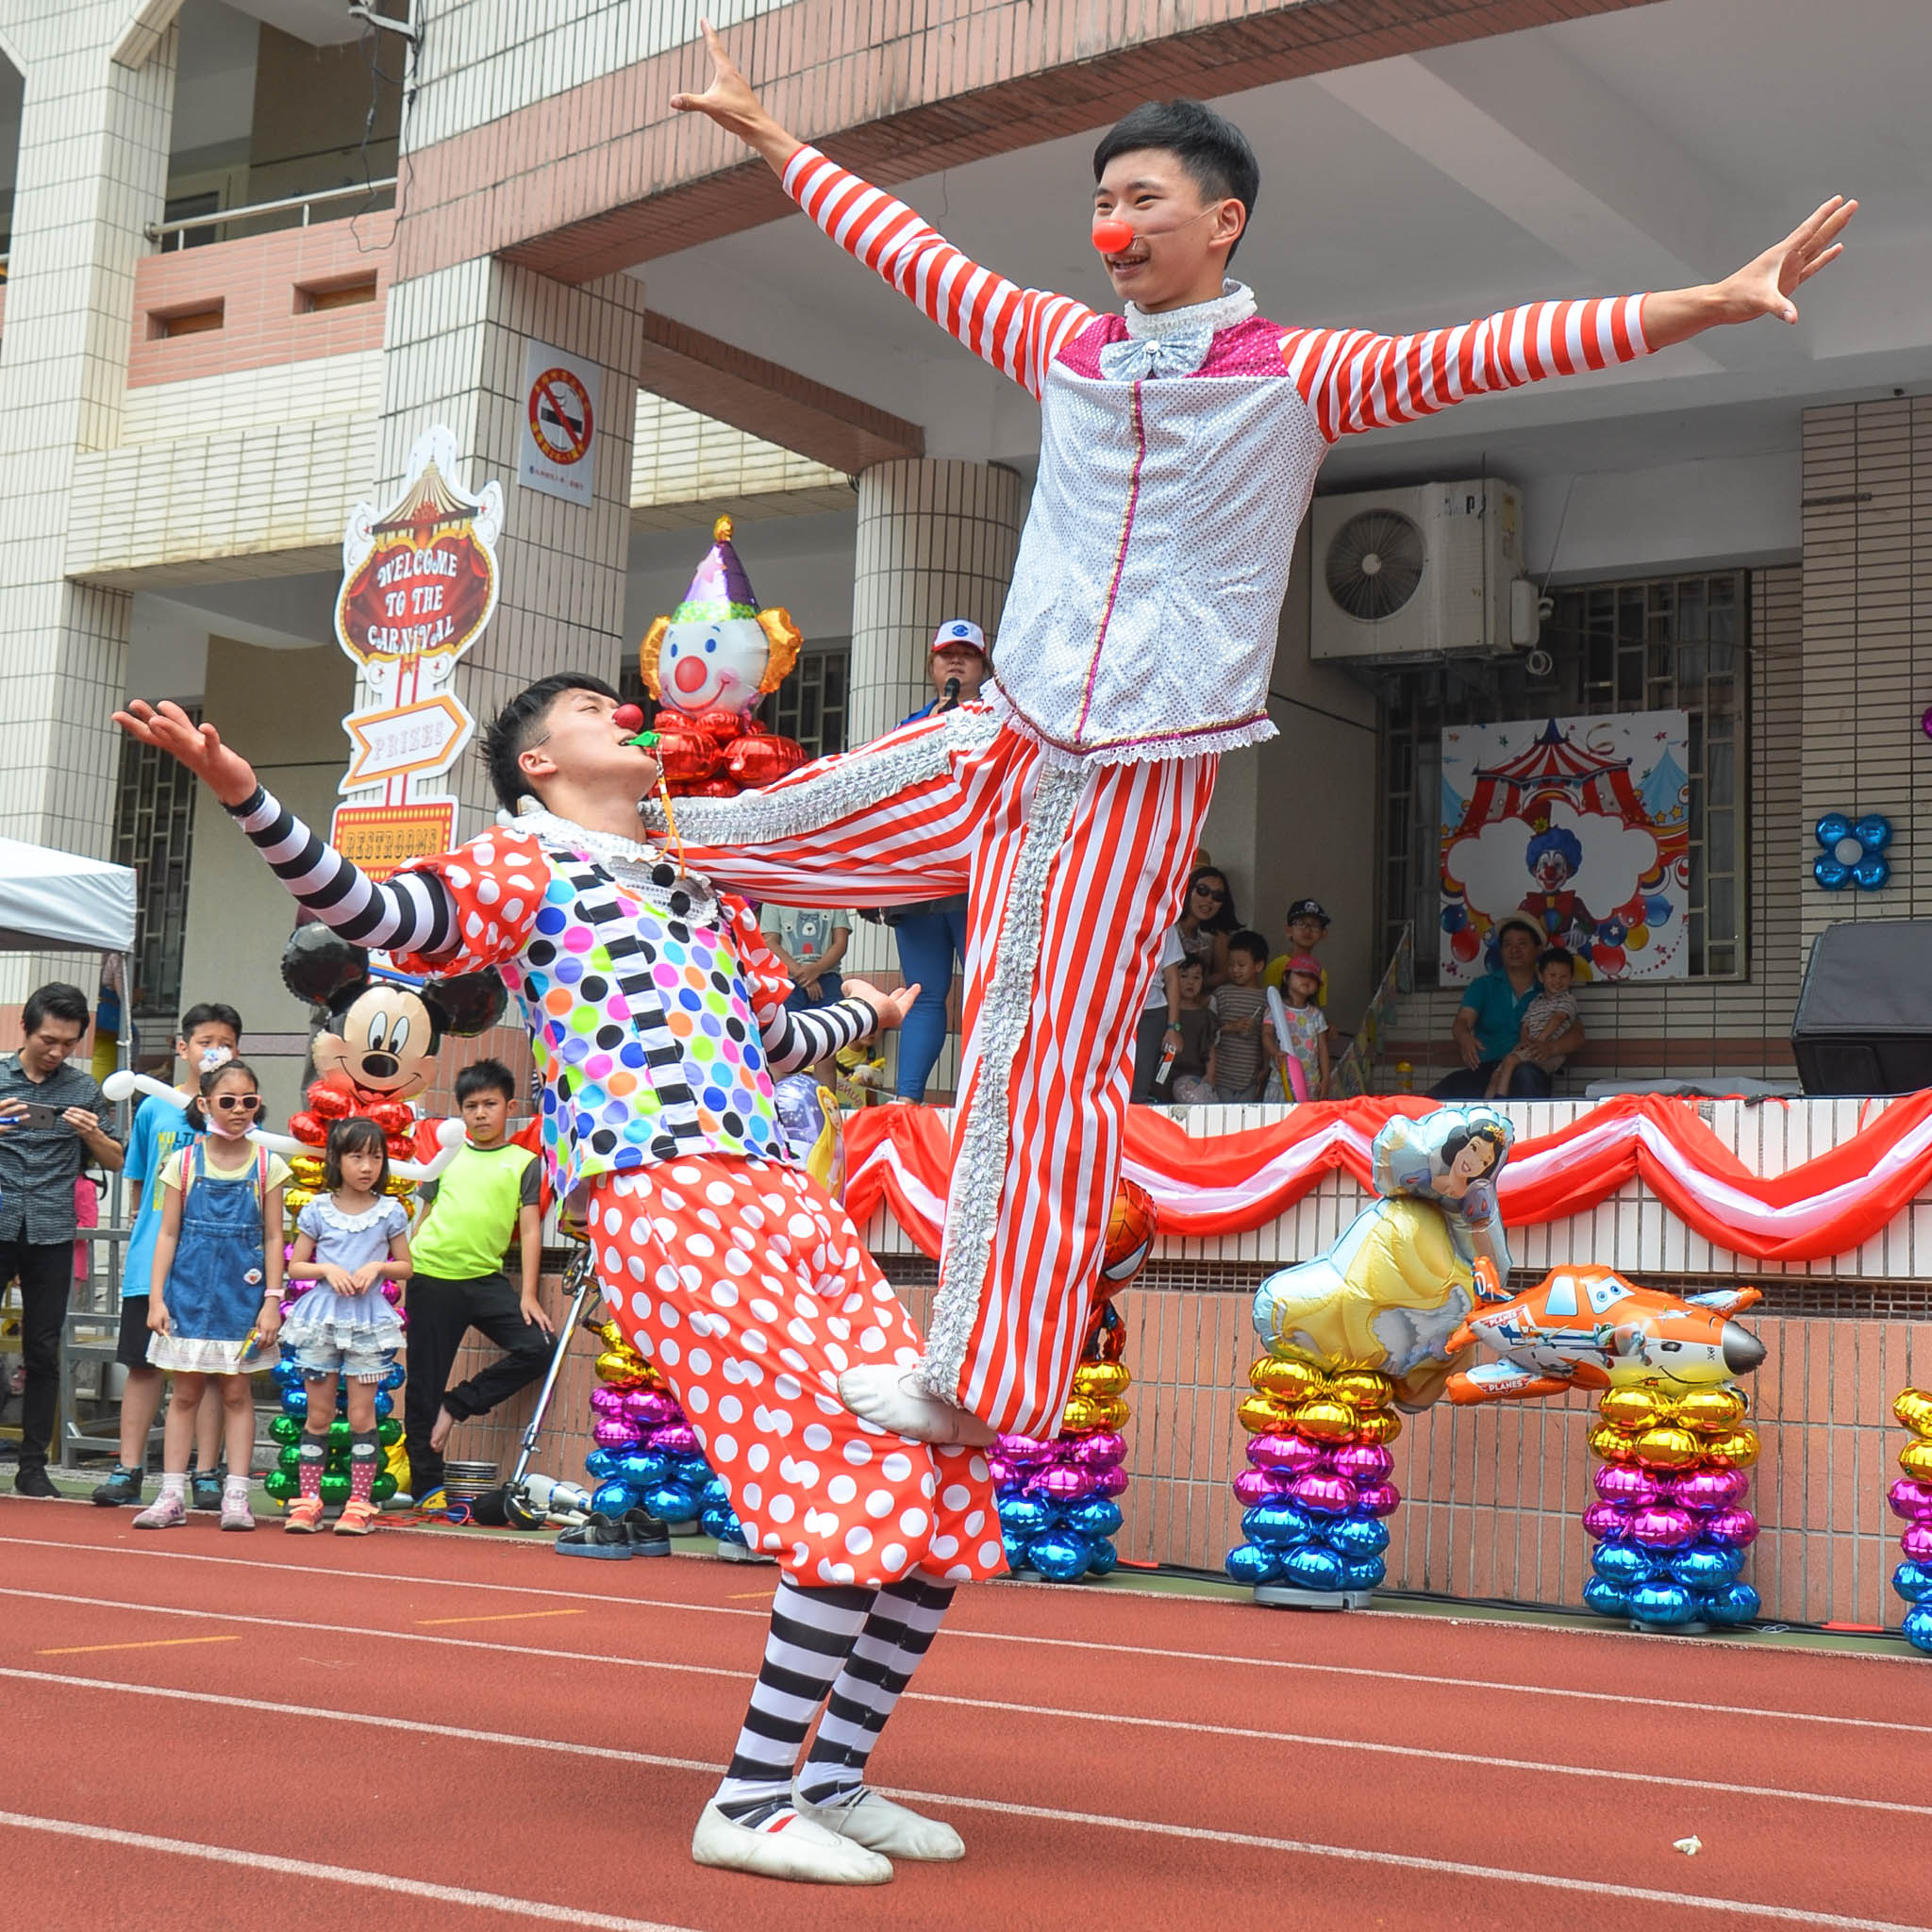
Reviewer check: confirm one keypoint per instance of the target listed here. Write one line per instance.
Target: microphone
(951, 699)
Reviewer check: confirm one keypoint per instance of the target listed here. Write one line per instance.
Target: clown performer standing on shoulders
(1179, 444)
(658, 1022)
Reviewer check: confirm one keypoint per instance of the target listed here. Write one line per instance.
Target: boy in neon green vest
(487, 1196)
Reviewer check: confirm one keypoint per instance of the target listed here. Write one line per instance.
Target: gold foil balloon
(1913, 1407)
(1667, 1446)
(1711, 1411)
(1364, 1389)
(1382, 1427)
(1100, 1379)
(617, 1369)
(1612, 1445)
(1326, 1421)
(1287, 1376)
(1735, 1449)
(1915, 1459)
(1262, 1415)
(1082, 1415)
(295, 1199)
(307, 1170)
(1635, 1408)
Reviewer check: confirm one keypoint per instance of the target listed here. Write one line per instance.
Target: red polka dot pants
(750, 1289)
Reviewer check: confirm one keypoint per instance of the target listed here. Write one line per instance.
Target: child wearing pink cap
(1297, 1032)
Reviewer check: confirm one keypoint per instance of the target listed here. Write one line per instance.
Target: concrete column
(455, 342)
(937, 539)
(91, 174)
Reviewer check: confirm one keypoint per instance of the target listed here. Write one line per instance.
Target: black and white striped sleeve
(411, 913)
(800, 1040)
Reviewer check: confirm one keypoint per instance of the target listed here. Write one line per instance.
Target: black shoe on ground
(205, 1491)
(124, 1485)
(34, 1481)
(647, 1535)
(600, 1535)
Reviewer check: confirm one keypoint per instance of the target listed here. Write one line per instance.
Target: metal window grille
(154, 832)
(1667, 643)
(810, 705)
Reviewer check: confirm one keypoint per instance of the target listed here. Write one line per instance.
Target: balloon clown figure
(1374, 1325)
(658, 1020)
(710, 664)
(1180, 444)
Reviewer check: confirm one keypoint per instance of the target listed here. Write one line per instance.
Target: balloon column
(710, 664)
(285, 1431)
(1057, 1495)
(1910, 1497)
(647, 1455)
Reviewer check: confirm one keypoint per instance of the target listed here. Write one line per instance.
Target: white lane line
(1301, 1740)
(952, 1633)
(337, 1874)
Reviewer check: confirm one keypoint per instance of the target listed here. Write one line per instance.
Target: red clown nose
(1111, 235)
(628, 717)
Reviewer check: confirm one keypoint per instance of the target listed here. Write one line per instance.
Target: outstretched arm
(1355, 380)
(1018, 330)
(410, 913)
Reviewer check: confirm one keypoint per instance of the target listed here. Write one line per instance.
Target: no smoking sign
(560, 396)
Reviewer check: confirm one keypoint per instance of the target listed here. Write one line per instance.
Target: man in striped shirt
(1179, 444)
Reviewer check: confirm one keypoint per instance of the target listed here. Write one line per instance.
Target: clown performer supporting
(658, 1019)
(1180, 444)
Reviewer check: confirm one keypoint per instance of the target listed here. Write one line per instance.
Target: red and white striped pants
(1073, 873)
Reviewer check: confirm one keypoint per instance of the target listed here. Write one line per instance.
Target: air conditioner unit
(1420, 573)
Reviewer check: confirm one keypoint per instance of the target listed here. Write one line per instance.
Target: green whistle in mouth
(644, 741)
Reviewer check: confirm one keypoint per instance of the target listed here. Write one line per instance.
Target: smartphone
(38, 1117)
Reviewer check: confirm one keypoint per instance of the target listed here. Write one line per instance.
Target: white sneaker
(881, 1825)
(800, 1850)
(893, 1399)
(169, 1510)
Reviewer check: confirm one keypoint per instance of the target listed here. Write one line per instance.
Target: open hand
(1766, 285)
(889, 1010)
(169, 728)
(533, 1310)
(728, 100)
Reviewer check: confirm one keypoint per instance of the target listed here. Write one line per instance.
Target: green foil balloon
(383, 1487)
(388, 1431)
(280, 1485)
(283, 1428)
(339, 1436)
(335, 1486)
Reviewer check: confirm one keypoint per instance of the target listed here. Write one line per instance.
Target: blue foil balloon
(1913, 1581)
(1834, 875)
(1364, 1573)
(1873, 831)
(295, 1402)
(1059, 1557)
(610, 1498)
(1871, 873)
(385, 1403)
(1662, 1602)
(1277, 1523)
(393, 1379)
(671, 1502)
(600, 1464)
(1832, 829)
(712, 1494)
(1094, 1517)
(1736, 1603)
(1622, 1566)
(1016, 1553)
(1359, 1537)
(640, 1468)
(1101, 1562)
(1023, 1518)
(285, 1374)
(1607, 1598)
(1252, 1562)
(1706, 1566)
(1918, 1626)
(720, 1522)
(1310, 1566)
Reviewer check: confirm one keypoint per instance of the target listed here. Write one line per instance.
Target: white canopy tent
(53, 901)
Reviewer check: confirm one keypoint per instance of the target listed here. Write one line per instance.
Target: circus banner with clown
(1581, 825)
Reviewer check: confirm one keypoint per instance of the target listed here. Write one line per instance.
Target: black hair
(518, 726)
(57, 1000)
(1487, 1132)
(1214, 152)
(1192, 963)
(483, 1076)
(1555, 956)
(212, 1078)
(212, 1013)
(1227, 919)
(1252, 943)
(354, 1133)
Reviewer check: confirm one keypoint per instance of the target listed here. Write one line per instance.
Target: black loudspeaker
(1864, 1017)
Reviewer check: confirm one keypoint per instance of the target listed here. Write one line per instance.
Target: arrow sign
(422, 737)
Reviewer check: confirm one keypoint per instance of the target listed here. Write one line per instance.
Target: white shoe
(893, 1399)
(803, 1850)
(881, 1825)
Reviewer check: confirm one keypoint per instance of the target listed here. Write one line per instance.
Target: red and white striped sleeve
(1018, 330)
(1354, 380)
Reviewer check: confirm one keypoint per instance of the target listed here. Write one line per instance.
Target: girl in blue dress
(221, 1285)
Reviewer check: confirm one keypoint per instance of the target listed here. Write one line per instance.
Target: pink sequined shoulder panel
(1250, 348)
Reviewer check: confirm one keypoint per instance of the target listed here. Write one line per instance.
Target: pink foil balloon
(1607, 1520)
(1663, 1526)
(1911, 1500)
(1378, 1499)
(1917, 1541)
(1065, 1485)
(1362, 1462)
(1109, 1482)
(1731, 1526)
(1705, 1489)
(392, 1293)
(1024, 1451)
(614, 1432)
(1325, 1494)
(1101, 1450)
(1624, 1483)
(1002, 1473)
(650, 1409)
(606, 1401)
(1253, 1485)
(1290, 1452)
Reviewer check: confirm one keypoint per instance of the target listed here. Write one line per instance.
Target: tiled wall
(686, 469)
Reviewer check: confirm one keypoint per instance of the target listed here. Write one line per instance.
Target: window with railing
(154, 832)
(1664, 643)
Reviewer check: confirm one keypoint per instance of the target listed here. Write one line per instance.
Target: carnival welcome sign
(1581, 825)
(418, 585)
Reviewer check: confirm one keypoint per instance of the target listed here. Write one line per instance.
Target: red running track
(206, 1730)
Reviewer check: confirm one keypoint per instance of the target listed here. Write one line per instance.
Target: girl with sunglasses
(221, 1285)
(348, 1241)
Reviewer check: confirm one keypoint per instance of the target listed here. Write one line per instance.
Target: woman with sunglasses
(221, 1281)
(1207, 916)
